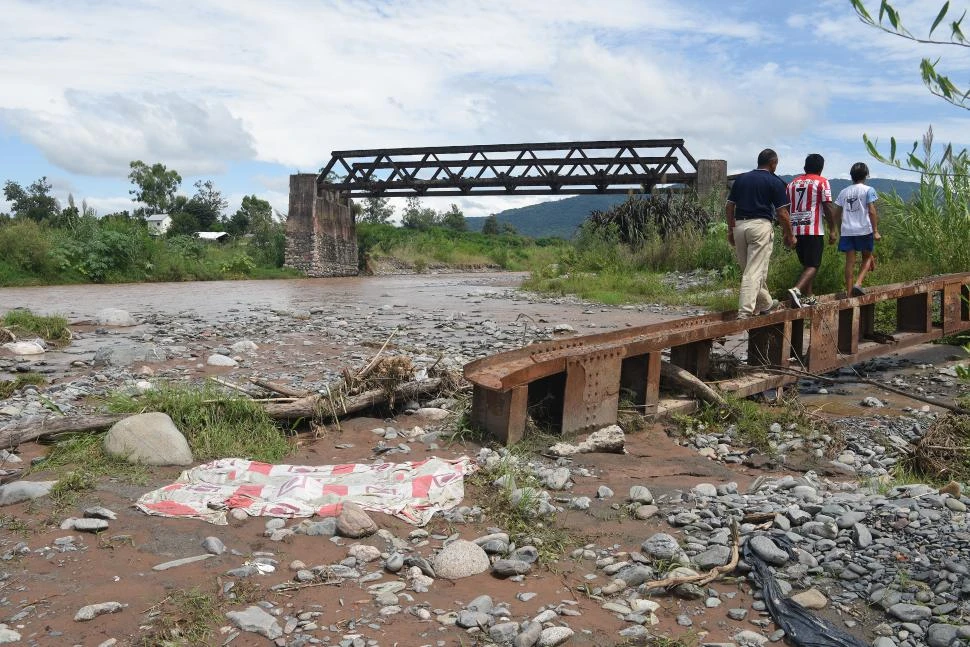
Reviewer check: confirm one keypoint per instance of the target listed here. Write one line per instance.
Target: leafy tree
(415, 216)
(453, 219)
(252, 211)
(376, 210)
(184, 223)
(508, 229)
(939, 84)
(207, 204)
(269, 236)
(34, 203)
(155, 186)
(490, 226)
(69, 215)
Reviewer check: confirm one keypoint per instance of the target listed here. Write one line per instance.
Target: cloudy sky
(245, 92)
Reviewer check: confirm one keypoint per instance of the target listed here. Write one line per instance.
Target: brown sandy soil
(117, 564)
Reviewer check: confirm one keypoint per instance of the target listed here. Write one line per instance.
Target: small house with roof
(159, 223)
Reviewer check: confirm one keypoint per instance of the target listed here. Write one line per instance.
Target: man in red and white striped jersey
(811, 197)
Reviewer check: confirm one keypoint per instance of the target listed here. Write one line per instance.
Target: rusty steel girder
(583, 376)
(571, 168)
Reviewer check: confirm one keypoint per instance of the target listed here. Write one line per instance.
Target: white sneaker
(796, 296)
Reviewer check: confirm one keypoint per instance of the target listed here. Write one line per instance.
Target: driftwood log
(315, 406)
(690, 383)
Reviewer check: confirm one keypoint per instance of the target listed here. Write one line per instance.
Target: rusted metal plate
(823, 339)
(592, 391)
(501, 413)
(694, 357)
(956, 308)
(914, 313)
(770, 345)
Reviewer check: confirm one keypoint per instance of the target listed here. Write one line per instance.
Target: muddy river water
(213, 298)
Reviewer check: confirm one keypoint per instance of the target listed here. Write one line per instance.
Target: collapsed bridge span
(575, 383)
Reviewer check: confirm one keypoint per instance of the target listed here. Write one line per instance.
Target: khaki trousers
(753, 240)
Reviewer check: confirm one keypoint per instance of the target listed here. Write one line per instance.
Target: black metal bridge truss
(567, 168)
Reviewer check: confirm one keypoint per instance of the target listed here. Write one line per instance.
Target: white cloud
(197, 84)
(99, 134)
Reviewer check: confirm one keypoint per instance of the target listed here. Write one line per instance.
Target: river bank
(614, 511)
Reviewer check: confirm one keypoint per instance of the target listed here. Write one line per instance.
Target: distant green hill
(562, 217)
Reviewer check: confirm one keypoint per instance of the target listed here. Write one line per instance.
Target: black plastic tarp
(802, 627)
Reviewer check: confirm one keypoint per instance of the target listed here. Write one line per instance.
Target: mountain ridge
(561, 218)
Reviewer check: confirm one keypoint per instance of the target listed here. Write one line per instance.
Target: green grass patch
(8, 387)
(216, 425)
(24, 323)
(619, 287)
(78, 462)
(750, 421)
(184, 618)
(15, 525)
(901, 474)
(687, 639)
(516, 516)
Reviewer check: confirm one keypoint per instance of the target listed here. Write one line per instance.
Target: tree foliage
(417, 216)
(252, 212)
(207, 205)
(376, 211)
(889, 20)
(33, 203)
(490, 226)
(154, 185)
(453, 219)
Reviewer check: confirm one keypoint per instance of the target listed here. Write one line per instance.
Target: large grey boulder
(661, 546)
(115, 317)
(8, 635)
(354, 523)
(256, 620)
(19, 491)
(766, 549)
(148, 438)
(221, 360)
(25, 347)
(460, 559)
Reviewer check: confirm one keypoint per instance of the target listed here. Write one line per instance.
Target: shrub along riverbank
(421, 249)
(119, 249)
(620, 255)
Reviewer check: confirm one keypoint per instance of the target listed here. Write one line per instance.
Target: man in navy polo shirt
(756, 199)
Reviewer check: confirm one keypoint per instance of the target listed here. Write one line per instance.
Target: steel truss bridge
(566, 168)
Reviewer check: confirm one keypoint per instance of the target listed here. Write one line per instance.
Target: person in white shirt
(858, 221)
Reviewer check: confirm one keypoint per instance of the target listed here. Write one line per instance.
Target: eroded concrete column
(711, 178)
(321, 237)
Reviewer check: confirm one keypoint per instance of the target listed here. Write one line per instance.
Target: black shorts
(809, 249)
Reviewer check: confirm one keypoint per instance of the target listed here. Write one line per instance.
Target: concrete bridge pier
(321, 237)
(711, 178)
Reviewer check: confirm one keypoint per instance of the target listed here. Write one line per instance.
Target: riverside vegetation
(635, 251)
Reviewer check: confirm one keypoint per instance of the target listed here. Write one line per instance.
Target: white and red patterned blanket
(410, 491)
